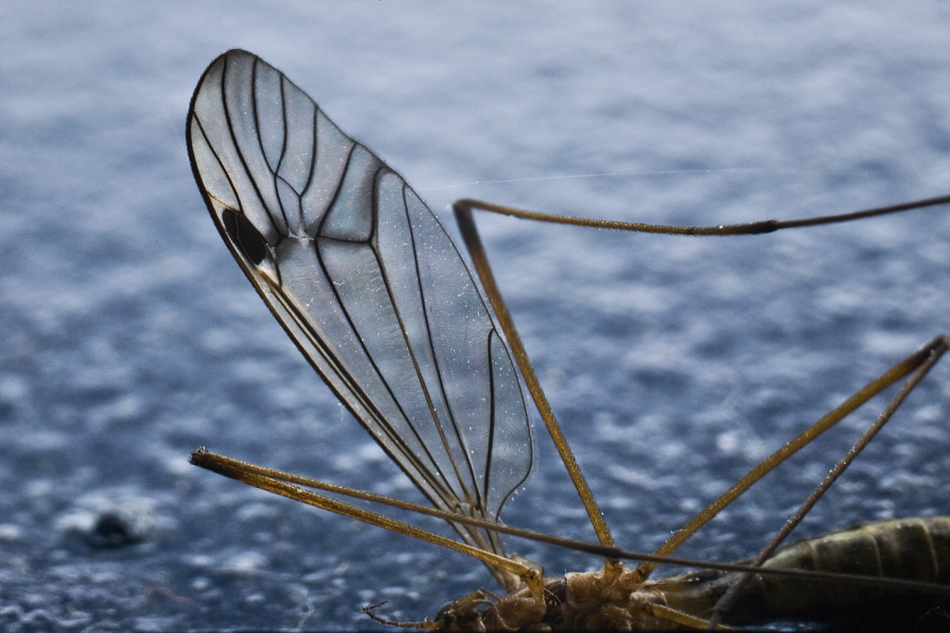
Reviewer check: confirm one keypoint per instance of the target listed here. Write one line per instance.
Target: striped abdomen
(912, 549)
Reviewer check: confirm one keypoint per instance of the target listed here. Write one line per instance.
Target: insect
(374, 293)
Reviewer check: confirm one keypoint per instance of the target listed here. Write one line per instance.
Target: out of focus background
(130, 338)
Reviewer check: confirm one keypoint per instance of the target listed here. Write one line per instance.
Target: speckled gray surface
(131, 338)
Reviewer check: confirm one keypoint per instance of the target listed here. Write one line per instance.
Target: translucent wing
(366, 282)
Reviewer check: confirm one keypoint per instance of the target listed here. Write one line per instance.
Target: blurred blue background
(130, 337)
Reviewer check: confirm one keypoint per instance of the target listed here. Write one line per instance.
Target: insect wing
(366, 282)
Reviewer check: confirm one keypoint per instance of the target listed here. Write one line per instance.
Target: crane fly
(371, 289)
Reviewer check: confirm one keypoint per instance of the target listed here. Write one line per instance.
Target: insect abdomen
(910, 549)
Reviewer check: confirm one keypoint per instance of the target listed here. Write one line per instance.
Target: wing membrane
(366, 282)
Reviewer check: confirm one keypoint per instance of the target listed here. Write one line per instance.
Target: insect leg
(463, 215)
(885, 380)
(277, 482)
(934, 350)
(751, 228)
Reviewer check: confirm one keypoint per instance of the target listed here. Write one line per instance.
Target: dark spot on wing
(247, 238)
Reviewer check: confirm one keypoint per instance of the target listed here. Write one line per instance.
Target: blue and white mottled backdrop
(130, 337)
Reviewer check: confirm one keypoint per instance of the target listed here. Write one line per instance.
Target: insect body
(910, 549)
(371, 289)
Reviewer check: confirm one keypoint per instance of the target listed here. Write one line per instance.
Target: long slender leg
(934, 351)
